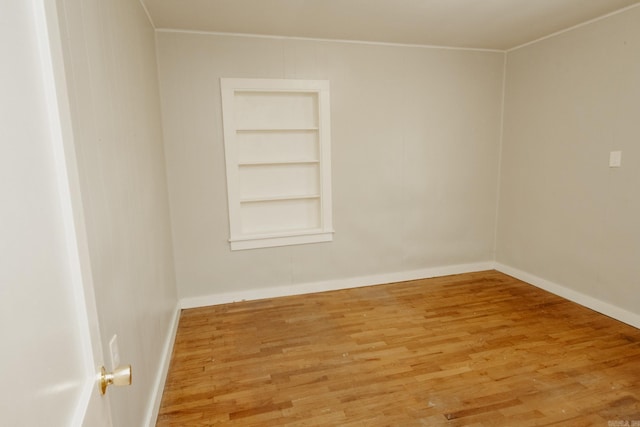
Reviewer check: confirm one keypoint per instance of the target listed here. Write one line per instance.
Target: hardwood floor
(479, 349)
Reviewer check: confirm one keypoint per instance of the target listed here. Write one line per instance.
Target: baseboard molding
(332, 285)
(595, 304)
(161, 378)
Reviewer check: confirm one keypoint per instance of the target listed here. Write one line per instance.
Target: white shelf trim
(287, 233)
(280, 239)
(279, 162)
(279, 198)
(278, 129)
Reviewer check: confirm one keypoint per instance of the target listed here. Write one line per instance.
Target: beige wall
(415, 144)
(564, 215)
(111, 71)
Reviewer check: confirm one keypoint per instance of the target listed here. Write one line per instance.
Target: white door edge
(91, 409)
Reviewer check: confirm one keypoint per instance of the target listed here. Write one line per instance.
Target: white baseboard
(332, 285)
(605, 308)
(588, 301)
(161, 378)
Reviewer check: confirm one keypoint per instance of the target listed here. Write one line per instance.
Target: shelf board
(277, 163)
(278, 198)
(302, 129)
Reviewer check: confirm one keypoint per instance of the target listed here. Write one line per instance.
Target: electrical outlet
(115, 352)
(615, 159)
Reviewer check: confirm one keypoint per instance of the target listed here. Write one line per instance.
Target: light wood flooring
(480, 349)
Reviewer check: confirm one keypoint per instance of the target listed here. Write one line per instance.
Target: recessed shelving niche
(277, 149)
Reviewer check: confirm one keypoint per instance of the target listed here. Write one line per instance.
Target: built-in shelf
(277, 149)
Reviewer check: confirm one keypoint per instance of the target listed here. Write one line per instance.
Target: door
(49, 328)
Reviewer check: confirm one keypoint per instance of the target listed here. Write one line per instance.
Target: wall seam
(500, 150)
(574, 27)
(146, 11)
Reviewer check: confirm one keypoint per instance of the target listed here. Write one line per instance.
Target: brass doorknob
(120, 376)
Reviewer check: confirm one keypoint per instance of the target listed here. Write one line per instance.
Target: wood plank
(479, 349)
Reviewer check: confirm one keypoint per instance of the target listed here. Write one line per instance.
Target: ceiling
(486, 24)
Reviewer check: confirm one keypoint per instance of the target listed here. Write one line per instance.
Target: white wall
(41, 358)
(415, 142)
(109, 50)
(564, 215)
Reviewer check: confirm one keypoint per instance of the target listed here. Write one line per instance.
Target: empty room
(320, 213)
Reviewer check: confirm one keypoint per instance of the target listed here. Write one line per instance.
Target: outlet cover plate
(615, 159)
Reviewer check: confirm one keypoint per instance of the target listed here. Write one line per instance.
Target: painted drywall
(109, 53)
(564, 215)
(415, 144)
(41, 354)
